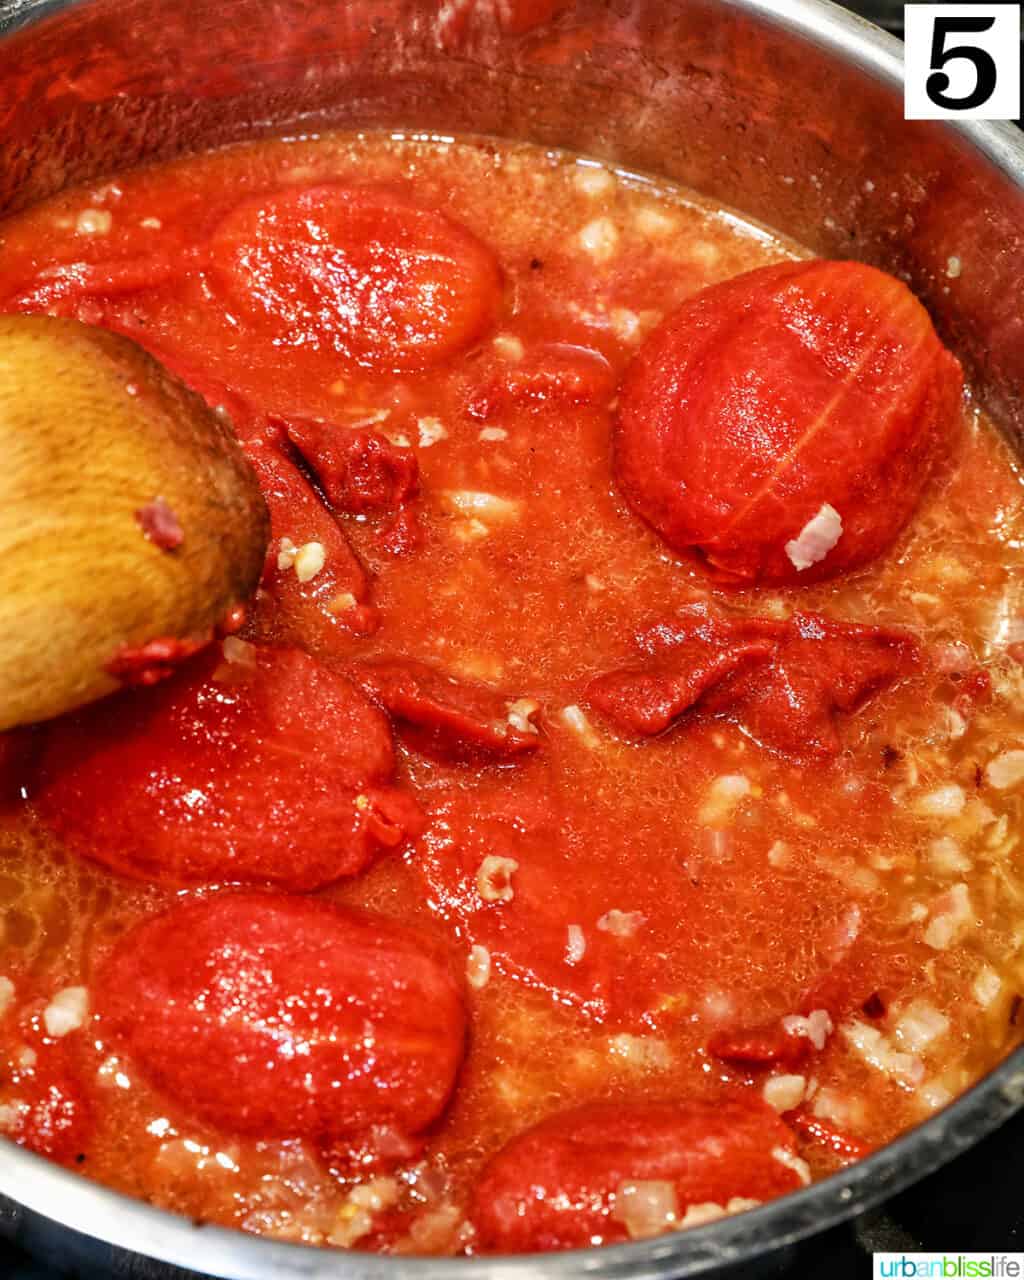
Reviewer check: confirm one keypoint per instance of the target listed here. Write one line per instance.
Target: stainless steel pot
(791, 112)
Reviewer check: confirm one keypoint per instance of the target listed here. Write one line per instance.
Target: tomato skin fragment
(775, 395)
(442, 716)
(277, 1016)
(555, 1186)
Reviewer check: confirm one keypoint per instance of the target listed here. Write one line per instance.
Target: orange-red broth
(744, 903)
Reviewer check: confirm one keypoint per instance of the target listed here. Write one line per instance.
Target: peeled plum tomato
(337, 594)
(272, 769)
(566, 1183)
(444, 717)
(276, 1016)
(364, 474)
(775, 394)
(356, 272)
(786, 682)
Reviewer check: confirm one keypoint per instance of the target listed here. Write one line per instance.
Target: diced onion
(488, 507)
(919, 1025)
(952, 915)
(945, 855)
(783, 1093)
(792, 1161)
(646, 1209)
(943, 802)
(309, 560)
(66, 1011)
(1006, 770)
(478, 967)
(520, 715)
(724, 795)
(872, 1047)
(431, 430)
(987, 986)
(816, 1027)
(494, 879)
(816, 539)
(698, 1215)
(642, 1052)
(621, 924)
(599, 239)
(576, 945)
(574, 718)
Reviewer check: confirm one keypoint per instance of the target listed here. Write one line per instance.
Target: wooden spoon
(130, 523)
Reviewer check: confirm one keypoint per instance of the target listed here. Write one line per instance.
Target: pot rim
(69, 1200)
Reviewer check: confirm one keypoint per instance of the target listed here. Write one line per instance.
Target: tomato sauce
(723, 865)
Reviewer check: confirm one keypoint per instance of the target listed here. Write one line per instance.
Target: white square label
(962, 61)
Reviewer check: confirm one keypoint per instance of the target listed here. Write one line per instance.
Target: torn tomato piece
(277, 1016)
(555, 373)
(768, 1044)
(363, 473)
(647, 702)
(329, 588)
(781, 426)
(273, 769)
(444, 717)
(360, 273)
(360, 472)
(607, 1173)
(821, 671)
(787, 683)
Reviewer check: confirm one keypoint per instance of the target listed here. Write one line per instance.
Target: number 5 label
(962, 60)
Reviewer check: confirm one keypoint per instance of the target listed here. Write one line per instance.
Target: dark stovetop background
(977, 1204)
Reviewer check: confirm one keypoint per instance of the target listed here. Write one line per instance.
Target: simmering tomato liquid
(630, 918)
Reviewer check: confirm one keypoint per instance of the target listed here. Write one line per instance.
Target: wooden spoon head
(128, 513)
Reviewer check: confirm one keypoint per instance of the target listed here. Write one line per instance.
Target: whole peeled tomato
(606, 1173)
(278, 1016)
(357, 272)
(782, 426)
(269, 767)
